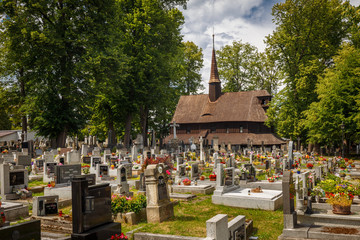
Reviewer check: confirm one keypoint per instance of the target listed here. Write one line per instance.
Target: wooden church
(232, 118)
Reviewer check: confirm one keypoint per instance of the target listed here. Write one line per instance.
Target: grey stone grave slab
(195, 171)
(65, 173)
(45, 205)
(24, 160)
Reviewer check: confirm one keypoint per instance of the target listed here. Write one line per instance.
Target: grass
(190, 219)
(39, 194)
(35, 183)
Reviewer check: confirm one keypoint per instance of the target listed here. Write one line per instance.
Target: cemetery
(108, 129)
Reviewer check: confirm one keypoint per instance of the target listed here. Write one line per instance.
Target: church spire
(214, 83)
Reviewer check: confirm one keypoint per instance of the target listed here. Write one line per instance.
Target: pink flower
(168, 172)
(128, 198)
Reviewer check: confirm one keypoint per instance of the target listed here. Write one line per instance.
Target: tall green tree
(307, 36)
(151, 40)
(58, 35)
(236, 66)
(191, 59)
(339, 101)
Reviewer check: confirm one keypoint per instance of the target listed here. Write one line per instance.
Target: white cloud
(232, 20)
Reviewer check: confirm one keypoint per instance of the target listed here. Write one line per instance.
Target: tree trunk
(144, 112)
(127, 131)
(111, 129)
(61, 139)
(22, 95)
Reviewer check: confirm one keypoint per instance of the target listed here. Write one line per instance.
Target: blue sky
(232, 20)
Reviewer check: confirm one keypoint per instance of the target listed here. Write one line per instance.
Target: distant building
(235, 118)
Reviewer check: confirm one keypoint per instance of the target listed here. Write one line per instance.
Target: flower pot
(187, 183)
(341, 210)
(202, 178)
(213, 179)
(271, 180)
(298, 172)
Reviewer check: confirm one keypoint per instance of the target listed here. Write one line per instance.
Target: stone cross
(290, 155)
(174, 125)
(201, 149)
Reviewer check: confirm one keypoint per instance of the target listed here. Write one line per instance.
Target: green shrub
(123, 204)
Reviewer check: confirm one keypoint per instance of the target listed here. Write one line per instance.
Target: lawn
(190, 219)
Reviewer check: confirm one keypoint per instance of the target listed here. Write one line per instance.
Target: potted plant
(317, 192)
(298, 171)
(212, 177)
(340, 194)
(186, 182)
(202, 177)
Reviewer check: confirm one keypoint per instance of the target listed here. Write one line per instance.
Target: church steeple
(214, 83)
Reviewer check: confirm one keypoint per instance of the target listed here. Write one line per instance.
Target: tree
(236, 66)
(191, 62)
(308, 34)
(58, 35)
(338, 101)
(151, 40)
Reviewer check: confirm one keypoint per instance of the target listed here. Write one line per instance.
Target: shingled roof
(230, 107)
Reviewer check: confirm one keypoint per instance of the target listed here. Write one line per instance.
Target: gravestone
(40, 164)
(123, 186)
(142, 188)
(290, 160)
(102, 172)
(22, 231)
(11, 180)
(290, 217)
(128, 165)
(195, 172)
(182, 170)
(179, 161)
(49, 171)
(217, 161)
(91, 211)
(229, 176)
(215, 144)
(48, 157)
(267, 164)
(73, 157)
(24, 160)
(159, 207)
(64, 173)
(45, 205)
(220, 175)
(84, 149)
(86, 160)
(95, 160)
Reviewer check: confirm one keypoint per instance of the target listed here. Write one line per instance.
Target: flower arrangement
(121, 236)
(271, 179)
(339, 192)
(165, 160)
(244, 170)
(85, 169)
(186, 181)
(123, 204)
(310, 165)
(5, 151)
(212, 177)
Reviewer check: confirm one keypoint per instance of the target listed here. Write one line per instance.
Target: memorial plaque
(104, 171)
(123, 174)
(65, 173)
(228, 176)
(50, 168)
(86, 160)
(95, 162)
(40, 163)
(182, 171)
(91, 179)
(162, 189)
(17, 178)
(51, 208)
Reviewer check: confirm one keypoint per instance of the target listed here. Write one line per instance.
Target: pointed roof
(214, 75)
